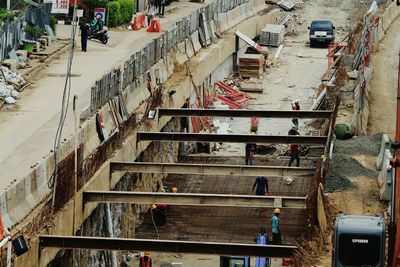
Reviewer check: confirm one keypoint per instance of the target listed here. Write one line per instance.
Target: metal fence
(136, 67)
(10, 36)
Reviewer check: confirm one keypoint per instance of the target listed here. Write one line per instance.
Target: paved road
(27, 130)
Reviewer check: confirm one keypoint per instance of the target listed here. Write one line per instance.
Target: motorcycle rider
(97, 24)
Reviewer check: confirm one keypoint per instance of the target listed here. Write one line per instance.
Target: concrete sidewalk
(27, 129)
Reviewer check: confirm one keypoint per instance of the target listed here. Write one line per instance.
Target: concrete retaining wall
(201, 67)
(378, 30)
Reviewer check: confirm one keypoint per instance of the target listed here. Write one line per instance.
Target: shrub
(119, 12)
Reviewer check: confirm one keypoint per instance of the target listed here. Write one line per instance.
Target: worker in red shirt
(145, 261)
(294, 154)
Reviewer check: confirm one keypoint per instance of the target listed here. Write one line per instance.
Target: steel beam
(231, 138)
(130, 244)
(195, 199)
(243, 113)
(209, 169)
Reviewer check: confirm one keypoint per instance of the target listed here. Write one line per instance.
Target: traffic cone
(157, 27)
(154, 26)
(151, 27)
(143, 20)
(136, 25)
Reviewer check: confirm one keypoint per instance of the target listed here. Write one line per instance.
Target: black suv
(321, 31)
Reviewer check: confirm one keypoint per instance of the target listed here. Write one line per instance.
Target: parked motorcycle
(102, 35)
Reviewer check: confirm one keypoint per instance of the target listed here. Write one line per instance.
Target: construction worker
(293, 131)
(296, 106)
(262, 185)
(145, 260)
(262, 239)
(158, 214)
(250, 152)
(174, 189)
(294, 154)
(276, 228)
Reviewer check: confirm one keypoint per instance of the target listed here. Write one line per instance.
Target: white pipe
(331, 150)
(4, 241)
(9, 252)
(110, 233)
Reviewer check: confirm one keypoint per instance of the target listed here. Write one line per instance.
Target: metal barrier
(135, 69)
(10, 36)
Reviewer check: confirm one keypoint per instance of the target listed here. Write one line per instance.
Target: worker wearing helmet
(145, 260)
(295, 106)
(174, 189)
(276, 229)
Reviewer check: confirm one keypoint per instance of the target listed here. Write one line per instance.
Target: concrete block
(195, 40)
(22, 53)
(180, 55)
(11, 64)
(43, 41)
(386, 177)
(189, 48)
(385, 144)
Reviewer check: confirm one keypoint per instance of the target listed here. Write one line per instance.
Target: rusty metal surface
(226, 224)
(232, 138)
(195, 199)
(209, 169)
(243, 113)
(221, 248)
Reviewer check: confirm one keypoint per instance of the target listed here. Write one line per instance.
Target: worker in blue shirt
(262, 185)
(276, 228)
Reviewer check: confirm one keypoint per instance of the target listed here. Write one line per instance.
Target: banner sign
(60, 7)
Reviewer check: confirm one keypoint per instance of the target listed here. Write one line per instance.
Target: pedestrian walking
(294, 154)
(276, 227)
(261, 183)
(296, 106)
(84, 27)
(150, 10)
(161, 7)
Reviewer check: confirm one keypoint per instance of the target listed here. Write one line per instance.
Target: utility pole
(8, 4)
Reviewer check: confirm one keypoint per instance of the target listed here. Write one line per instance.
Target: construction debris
(251, 65)
(286, 5)
(233, 98)
(272, 35)
(10, 82)
(252, 85)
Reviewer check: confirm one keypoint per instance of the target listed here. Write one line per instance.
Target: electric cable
(52, 183)
(154, 223)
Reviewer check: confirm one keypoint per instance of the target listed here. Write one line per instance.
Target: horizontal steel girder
(195, 199)
(232, 138)
(243, 113)
(209, 169)
(130, 244)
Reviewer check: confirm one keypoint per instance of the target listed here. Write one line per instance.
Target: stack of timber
(251, 65)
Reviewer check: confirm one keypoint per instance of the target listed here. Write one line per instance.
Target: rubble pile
(10, 84)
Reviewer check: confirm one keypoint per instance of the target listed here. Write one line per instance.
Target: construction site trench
(134, 162)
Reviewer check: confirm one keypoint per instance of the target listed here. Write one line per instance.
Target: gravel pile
(344, 166)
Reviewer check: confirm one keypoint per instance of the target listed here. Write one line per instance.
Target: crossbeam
(244, 113)
(195, 199)
(209, 169)
(130, 244)
(231, 138)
